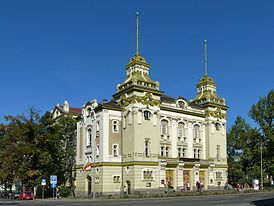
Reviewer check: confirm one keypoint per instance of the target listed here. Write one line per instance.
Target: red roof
(75, 110)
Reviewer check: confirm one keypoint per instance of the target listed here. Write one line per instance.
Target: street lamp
(262, 181)
(261, 147)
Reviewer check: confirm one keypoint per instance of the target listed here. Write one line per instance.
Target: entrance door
(89, 179)
(128, 187)
(169, 178)
(202, 177)
(187, 179)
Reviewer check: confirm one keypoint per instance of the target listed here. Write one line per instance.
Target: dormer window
(147, 115)
(89, 112)
(181, 104)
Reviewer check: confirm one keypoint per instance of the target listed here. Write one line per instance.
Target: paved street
(260, 199)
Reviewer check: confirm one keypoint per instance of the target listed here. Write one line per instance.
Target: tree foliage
(32, 146)
(244, 142)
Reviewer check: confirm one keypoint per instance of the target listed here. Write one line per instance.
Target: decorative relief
(217, 113)
(146, 100)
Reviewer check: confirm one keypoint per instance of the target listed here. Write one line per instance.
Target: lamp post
(262, 181)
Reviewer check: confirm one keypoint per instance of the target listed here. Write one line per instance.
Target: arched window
(196, 131)
(181, 104)
(89, 137)
(164, 127)
(115, 126)
(147, 115)
(181, 131)
(89, 112)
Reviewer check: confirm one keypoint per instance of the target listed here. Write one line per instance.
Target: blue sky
(51, 51)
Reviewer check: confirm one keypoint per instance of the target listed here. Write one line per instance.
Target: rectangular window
(147, 148)
(218, 153)
(195, 153)
(97, 151)
(184, 152)
(147, 175)
(116, 179)
(167, 151)
(162, 151)
(218, 175)
(115, 126)
(179, 152)
(115, 150)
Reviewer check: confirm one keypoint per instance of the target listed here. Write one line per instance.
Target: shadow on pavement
(266, 202)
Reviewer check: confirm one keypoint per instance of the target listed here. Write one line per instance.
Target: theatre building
(142, 139)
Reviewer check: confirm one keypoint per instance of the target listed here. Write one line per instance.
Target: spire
(205, 57)
(137, 32)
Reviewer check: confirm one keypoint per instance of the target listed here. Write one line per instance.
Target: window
(218, 175)
(197, 153)
(147, 115)
(115, 126)
(115, 150)
(148, 174)
(147, 148)
(162, 151)
(167, 151)
(179, 152)
(181, 104)
(89, 112)
(89, 137)
(218, 153)
(217, 126)
(97, 151)
(181, 131)
(116, 179)
(97, 180)
(97, 126)
(164, 127)
(184, 152)
(196, 132)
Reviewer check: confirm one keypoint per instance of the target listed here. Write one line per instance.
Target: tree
(243, 152)
(263, 114)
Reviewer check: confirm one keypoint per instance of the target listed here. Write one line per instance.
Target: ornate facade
(143, 140)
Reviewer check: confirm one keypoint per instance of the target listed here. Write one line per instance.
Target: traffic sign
(53, 179)
(53, 186)
(43, 182)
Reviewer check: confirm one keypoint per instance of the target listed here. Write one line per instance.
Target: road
(243, 199)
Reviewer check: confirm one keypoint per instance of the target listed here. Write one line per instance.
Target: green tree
(263, 114)
(243, 152)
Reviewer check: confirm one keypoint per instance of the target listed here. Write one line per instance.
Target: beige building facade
(143, 140)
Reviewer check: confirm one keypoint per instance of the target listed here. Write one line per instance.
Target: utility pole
(262, 180)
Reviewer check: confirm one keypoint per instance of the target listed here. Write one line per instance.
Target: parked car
(25, 196)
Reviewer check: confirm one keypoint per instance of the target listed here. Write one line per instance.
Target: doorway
(89, 179)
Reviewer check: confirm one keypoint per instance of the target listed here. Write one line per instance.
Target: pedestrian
(58, 192)
(198, 186)
(188, 186)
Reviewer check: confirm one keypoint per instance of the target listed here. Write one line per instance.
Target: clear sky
(56, 50)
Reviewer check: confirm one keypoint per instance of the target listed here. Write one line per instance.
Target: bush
(64, 191)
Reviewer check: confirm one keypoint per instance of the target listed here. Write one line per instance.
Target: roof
(76, 111)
